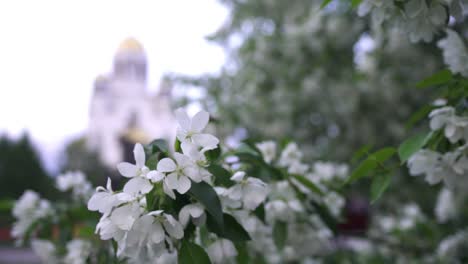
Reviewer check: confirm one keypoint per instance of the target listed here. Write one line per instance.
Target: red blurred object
(357, 214)
(5, 234)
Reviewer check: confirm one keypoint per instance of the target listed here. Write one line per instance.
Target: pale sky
(51, 51)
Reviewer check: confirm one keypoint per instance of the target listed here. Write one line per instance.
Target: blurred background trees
(21, 169)
(332, 81)
(326, 78)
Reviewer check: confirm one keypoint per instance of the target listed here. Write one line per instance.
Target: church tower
(122, 112)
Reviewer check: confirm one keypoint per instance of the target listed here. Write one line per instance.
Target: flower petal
(123, 217)
(168, 191)
(97, 201)
(138, 185)
(196, 210)
(183, 119)
(184, 184)
(172, 181)
(235, 192)
(127, 170)
(157, 233)
(155, 176)
(166, 165)
(139, 154)
(238, 176)
(206, 141)
(182, 160)
(109, 185)
(184, 215)
(199, 121)
(193, 173)
(173, 227)
(253, 196)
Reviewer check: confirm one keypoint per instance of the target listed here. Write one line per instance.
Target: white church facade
(123, 109)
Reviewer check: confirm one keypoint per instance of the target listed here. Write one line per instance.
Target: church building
(123, 112)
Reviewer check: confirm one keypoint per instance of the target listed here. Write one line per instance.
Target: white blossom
(146, 239)
(411, 214)
(76, 182)
(455, 52)
(451, 167)
(423, 20)
(290, 154)
(28, 209)
(78, 251)
(104, 199)
(124, 216)
(268, 150)
(199, 161)
(452, 244)
(334, 202)
(426, 162)
(445, 206)
(179, 174)
(455, 127)
(45, 250)
(251, 191)
(190, 130)
(195, 211)
(221, 251)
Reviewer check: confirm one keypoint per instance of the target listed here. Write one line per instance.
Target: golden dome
(130, 45)
(136, 135)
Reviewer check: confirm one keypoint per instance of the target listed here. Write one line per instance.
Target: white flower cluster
(76, 182)
(142, 235)
(455, 52)
(321, 173)
(446, 208)
(28, 210)
(283, 205)
(78, 251)
(420, 19)
(455, 127)
(453, 246)
(407, 218)
(452, 166)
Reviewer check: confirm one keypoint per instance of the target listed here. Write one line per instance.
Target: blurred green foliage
(21, 169)
(316, 76)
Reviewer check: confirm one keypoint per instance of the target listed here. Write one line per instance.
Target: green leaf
(326, 216)
(158, 145)
(435, 79)
(325, 3)
(207, 196)
(355, 3)
(362, 170)
(380, 183)
(383, 154)
(361, 152)
(152, 161)
(307, 183)
(420, 114)
(232, 230)
(86, 231)
(243, 256)
(260, 212)
(412, 145)
(6, 205)
(221, 175)
(369, 164)
(191, 253)
(252, 144)
(213, 155)
(280, 234)
(177, 147)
